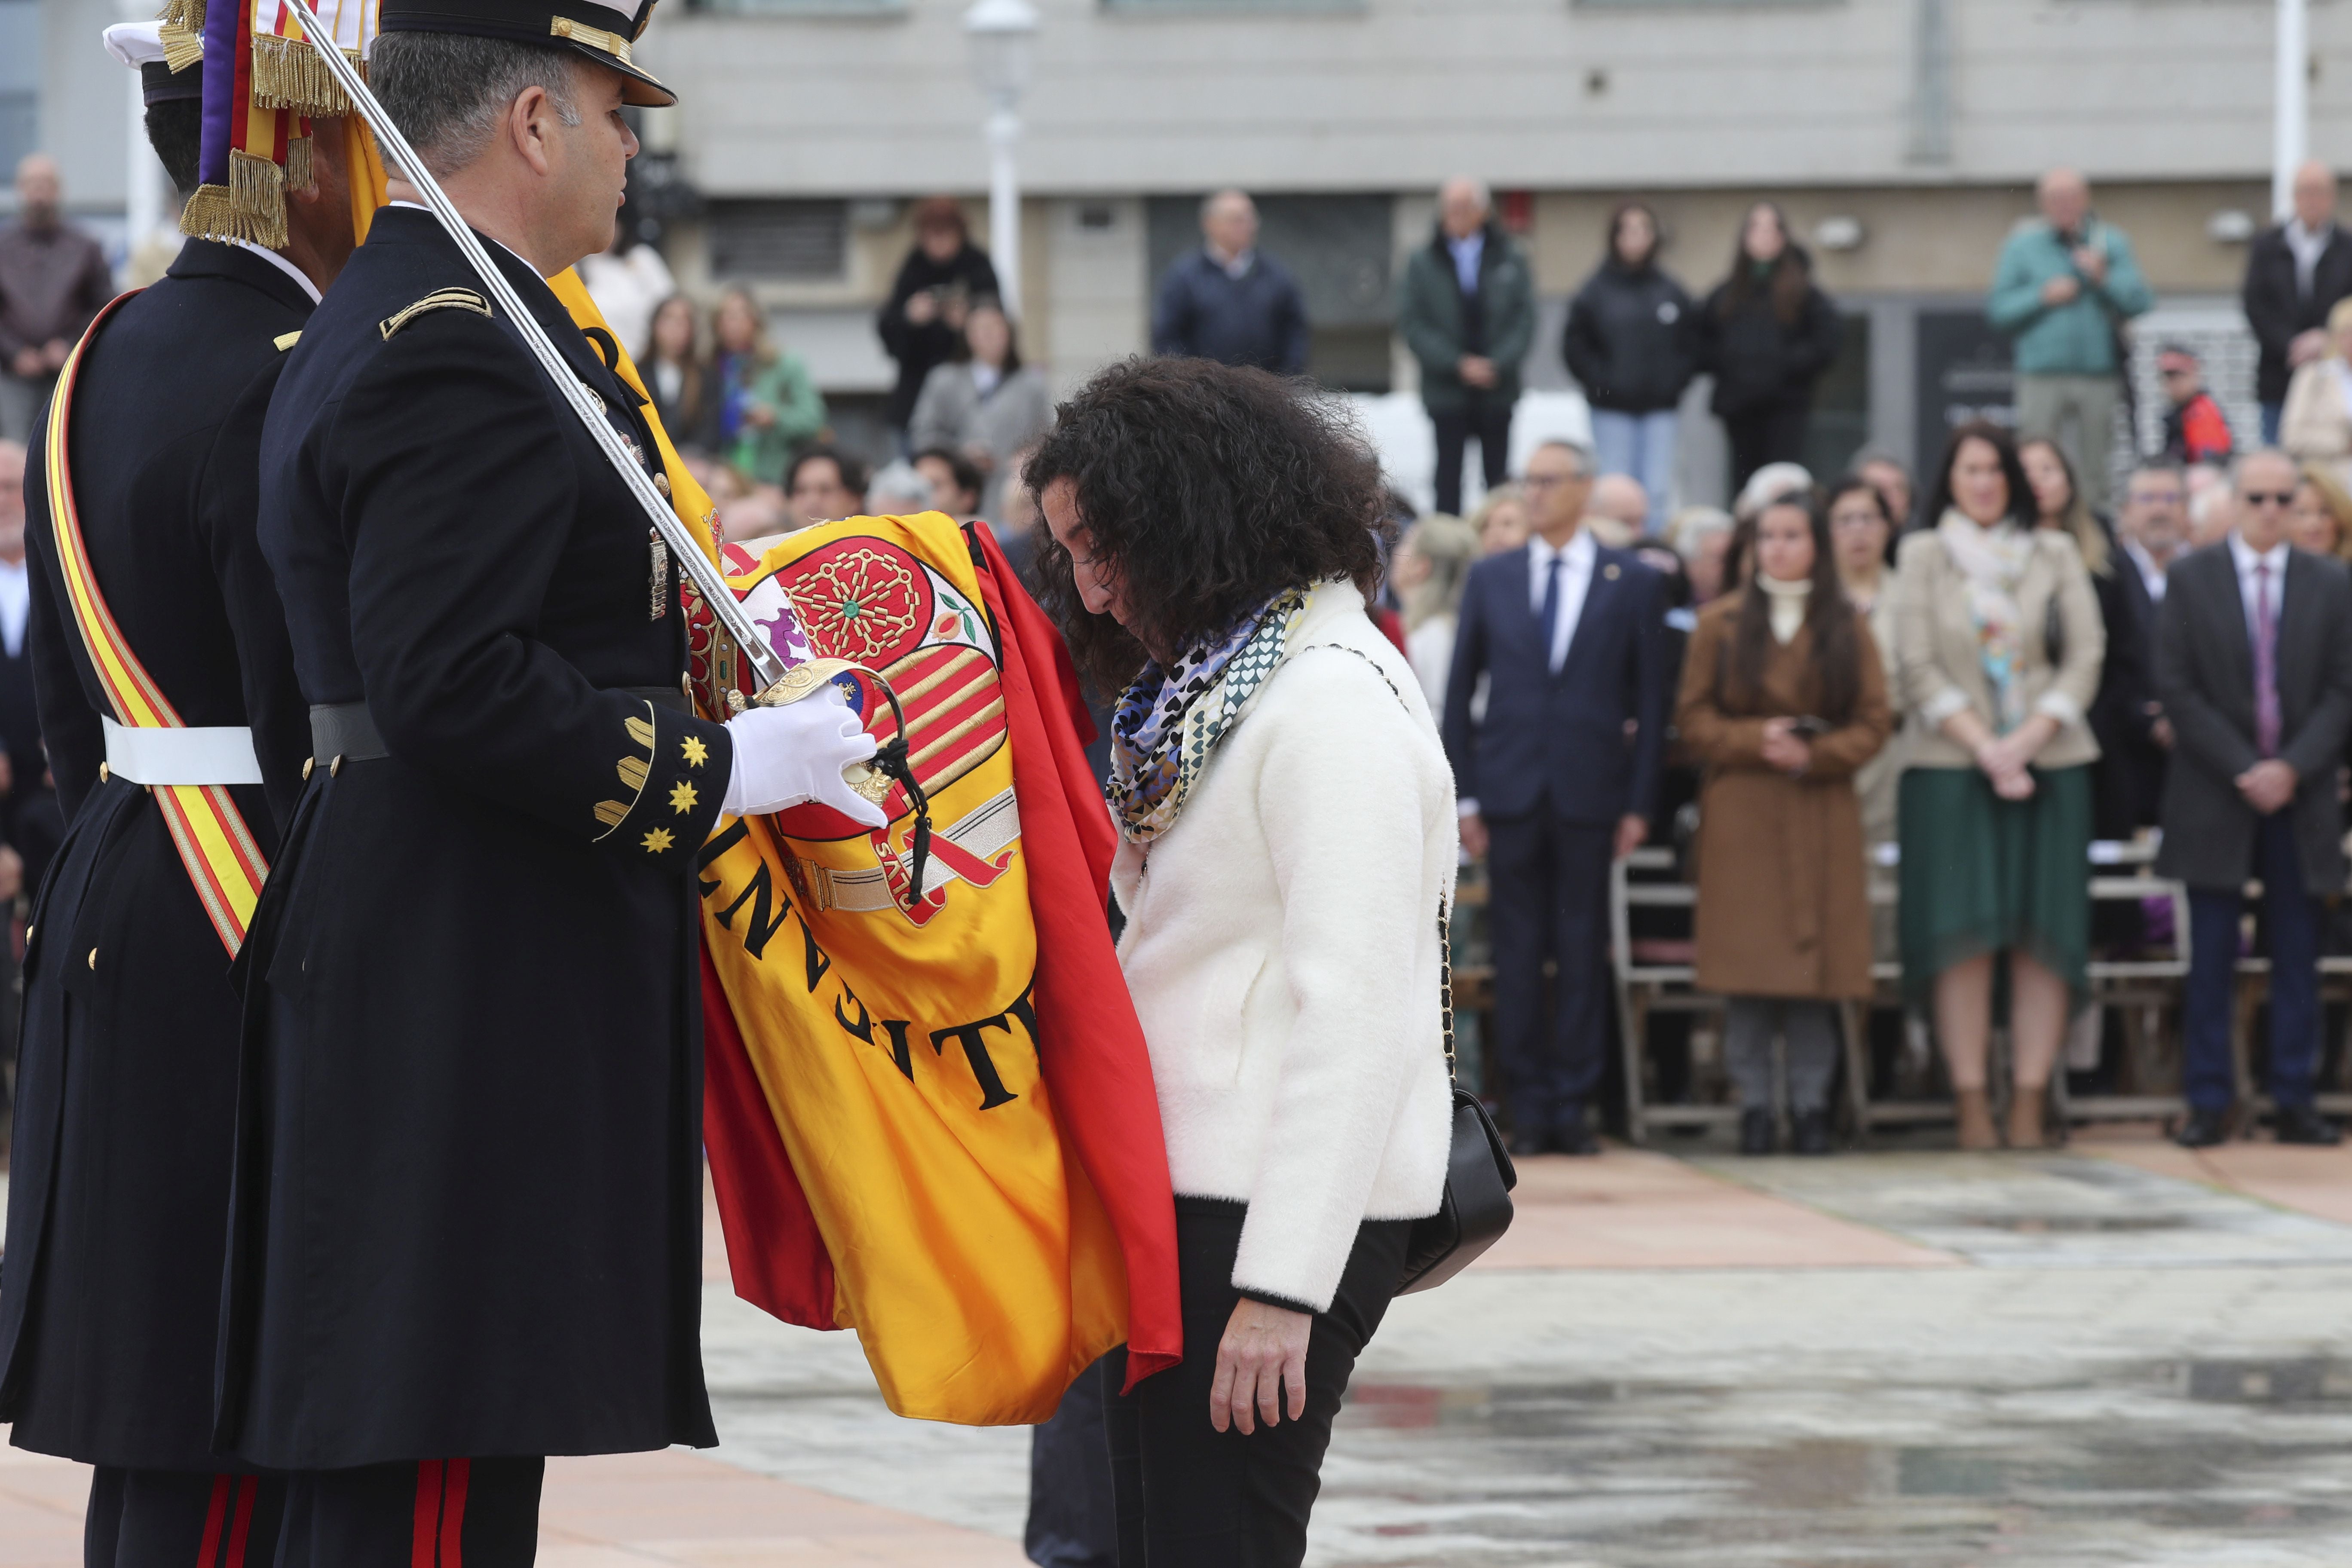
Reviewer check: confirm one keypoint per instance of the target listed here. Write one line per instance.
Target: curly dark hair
(1208, 489)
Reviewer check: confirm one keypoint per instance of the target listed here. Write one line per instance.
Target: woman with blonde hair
(1430, 565)
(2321, 517)
(2316, 424)
(1501, 521)
(767, 407)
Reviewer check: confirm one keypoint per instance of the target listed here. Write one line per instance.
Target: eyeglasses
(2268, 498)
(1546, 481)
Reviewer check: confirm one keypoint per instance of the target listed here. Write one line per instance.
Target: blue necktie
(1550, 617)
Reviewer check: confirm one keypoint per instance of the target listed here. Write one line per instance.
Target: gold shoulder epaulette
(440, 300)
(288, 340)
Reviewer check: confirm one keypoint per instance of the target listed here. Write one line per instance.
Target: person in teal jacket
(1467, 311)
(2064, 286)
(768, 408)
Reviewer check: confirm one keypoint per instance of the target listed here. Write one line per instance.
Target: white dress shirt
(2305, 245)
(2151, 575)
(15, 604)
(1576, 557)
(2243, 556)
(1467, 254)
(282, 264)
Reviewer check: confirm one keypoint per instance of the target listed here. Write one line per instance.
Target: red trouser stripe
(427, 1531)
(453, 1512)
(214, 1516)
(243, 1524)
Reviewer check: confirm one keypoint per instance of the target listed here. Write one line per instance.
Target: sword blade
(706, 578)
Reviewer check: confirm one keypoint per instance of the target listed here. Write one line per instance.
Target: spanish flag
(928, 1108)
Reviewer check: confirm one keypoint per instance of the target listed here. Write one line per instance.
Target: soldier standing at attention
(176, 733)
(467, 1225)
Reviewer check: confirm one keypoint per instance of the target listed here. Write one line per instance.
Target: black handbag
(1479, 1175)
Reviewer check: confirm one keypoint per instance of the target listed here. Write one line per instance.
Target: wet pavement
(2077, 1360)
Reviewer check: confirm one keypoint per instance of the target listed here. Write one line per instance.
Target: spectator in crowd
(2118, 714)
(767, 408)
(955, 481)
(1632, 343)
(2212, 507)
(2321, 521)
(2317, 423)
(897, 490)
(1016, 525)
(1769, 482)
(1783, 697)
(1620, 510)
(2295, 274)
(1998, 642)
(1701, 535)
(677, 375)
(20, 722)
(2195, 429)
(2153, 530)
(1502, 522)
(1429, 571)
(1767, 334)
(2252, 788)
(824, 483)
(1468, 314)
(1862, 538)
(2064, 285)
(984, 402)
(922, 321)
(1307, 1119)
(1228, 300)
(53, 279)
(1894, 483)
(628, 281)
(1556, 781)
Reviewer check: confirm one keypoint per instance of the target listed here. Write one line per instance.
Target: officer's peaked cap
(604, 33)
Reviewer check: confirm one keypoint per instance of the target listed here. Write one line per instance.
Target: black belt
(346, 731)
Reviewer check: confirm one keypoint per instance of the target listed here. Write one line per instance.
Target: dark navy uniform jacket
(118, 1202)
(467, 1210)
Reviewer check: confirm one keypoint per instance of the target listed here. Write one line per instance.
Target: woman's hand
(1783, 748)
(1264, 1353)
(2002, 763)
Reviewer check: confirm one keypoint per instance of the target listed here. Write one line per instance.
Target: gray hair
(2259, 454)
(448, 91)
(1478, 189)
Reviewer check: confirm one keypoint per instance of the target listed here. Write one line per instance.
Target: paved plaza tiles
(2121, 1354)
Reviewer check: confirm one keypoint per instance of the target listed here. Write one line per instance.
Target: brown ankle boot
(1975, 1121)
(2025, 1116)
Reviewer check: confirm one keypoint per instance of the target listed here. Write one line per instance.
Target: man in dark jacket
(465, 1229)
(2295, 272)
(53, 279)
(1556, 782)
(1468, 314)
(1632, 343)
(2253, 662)
(141, 550)
(1228, 300)
(922, 323)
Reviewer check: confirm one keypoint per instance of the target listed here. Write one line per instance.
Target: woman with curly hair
(1287, 823)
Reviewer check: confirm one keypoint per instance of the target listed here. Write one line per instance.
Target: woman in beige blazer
(2316, 425)
(1998, 645)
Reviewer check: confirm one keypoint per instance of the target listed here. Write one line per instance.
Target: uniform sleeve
(455, 518)
(69, 730)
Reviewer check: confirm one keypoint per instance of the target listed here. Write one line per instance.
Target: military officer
(149, 593)
(467, 1225)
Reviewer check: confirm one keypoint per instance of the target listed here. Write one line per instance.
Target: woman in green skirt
(1999, 644)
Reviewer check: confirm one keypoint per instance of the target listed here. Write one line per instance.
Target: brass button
(104, 774)
(661, 483)
(308, 762)
(93, 958)
(335, 767)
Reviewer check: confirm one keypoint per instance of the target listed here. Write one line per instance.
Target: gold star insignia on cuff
(697, 752)
(657, 840)
(682, 797)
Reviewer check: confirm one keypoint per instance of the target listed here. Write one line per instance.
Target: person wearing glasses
(2253, 663)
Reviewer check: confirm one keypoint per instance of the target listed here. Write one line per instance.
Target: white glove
(793, 754)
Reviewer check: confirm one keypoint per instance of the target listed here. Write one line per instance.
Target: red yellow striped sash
(215, 846)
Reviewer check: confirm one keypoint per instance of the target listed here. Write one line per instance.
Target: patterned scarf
(1169, 721)
(1993, 560)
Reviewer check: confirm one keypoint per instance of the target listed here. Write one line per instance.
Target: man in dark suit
(465, 1227)
(111, 1291)
(2253, 662)
(1229, 300)
(2151, 532)
(2295, 272)
(1556, 777)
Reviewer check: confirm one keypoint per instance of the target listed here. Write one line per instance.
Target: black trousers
(1774, 433)
(1073, 1516)
(1489, 419)
(1549, 900)
(176, 1519)
(434, 1514)
(1192, 1496)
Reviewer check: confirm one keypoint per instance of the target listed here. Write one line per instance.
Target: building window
(20, 79)
(793, 241)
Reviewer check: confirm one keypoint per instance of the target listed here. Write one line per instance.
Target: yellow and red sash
(215, 846)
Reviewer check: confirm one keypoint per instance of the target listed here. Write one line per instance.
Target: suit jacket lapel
(1597, 593)
(1518, 611)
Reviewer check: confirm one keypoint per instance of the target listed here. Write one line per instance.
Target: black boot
(2203, 1129)
(2304, 1124)
(1757, 1134)
(1812, 1134)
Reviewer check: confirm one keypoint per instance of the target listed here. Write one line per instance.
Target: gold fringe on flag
(251, 206)
(289, 74)
(298, 162)
(183, 33)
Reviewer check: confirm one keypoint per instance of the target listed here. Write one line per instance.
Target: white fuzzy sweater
(1282, 947)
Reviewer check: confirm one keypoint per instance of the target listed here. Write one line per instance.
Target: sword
(778, 682)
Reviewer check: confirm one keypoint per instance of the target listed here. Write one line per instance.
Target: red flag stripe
(453, 1477)
(425, 1533)
(238, 1530)
(215, 1515)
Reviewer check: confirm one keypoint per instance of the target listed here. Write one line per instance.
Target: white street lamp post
(1001, 32)
(2290, 133)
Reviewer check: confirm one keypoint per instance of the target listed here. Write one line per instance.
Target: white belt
(215, 754)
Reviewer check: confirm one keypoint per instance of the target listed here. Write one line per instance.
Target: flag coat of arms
(928, 1107)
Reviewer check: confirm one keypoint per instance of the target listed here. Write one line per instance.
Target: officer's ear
(532, 122)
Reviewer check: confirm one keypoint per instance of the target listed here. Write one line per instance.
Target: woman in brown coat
(1783, 697)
